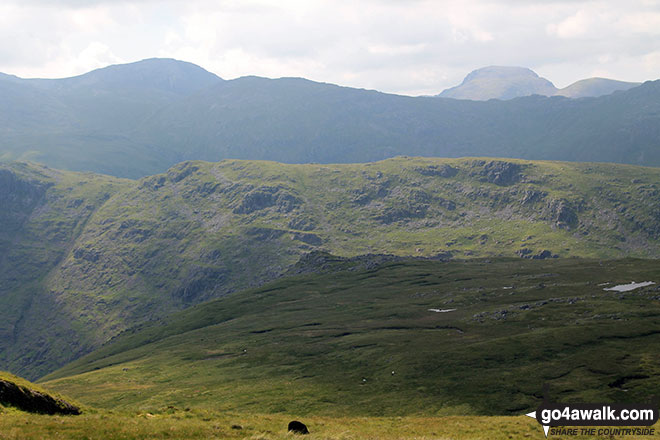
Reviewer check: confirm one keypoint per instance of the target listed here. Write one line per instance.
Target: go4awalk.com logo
(596, 419)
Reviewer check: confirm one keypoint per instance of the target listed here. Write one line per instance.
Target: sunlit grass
(189, 425)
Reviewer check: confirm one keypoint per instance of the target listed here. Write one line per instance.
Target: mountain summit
(137, 119)
(500, 82)
(506, 82)
(595, 87)
(163, 75)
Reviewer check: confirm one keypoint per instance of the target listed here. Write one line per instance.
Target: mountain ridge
(134, 132)
(594, 87)
(180, 77)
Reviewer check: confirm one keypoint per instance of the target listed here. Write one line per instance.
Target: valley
(376, 220)
(354, 348)
(88, 256)
(360, 337)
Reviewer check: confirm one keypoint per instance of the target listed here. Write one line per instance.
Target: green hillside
(372, 337)
(87, 256)
(43, 212)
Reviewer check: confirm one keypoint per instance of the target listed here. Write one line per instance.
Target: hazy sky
(410, 47)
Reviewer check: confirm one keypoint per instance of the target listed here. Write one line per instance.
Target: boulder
(297, 427)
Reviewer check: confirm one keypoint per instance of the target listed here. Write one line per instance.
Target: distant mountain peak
(593, 87)
(500, 82)
(161, 75)
(507, 82)
(500, 71)
(168, 74)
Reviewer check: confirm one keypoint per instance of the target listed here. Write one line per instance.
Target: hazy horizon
(410, 48)
(311, 79)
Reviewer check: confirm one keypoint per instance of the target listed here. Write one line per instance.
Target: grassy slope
(202, 230)
(218, 425)
(44, 211)
(327, 344)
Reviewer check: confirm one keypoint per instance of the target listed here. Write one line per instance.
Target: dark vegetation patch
(199, 281)
(621, 381)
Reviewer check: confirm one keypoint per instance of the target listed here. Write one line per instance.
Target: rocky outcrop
(91, 255)
(266, 197)
(321, 261)
(532, 196)
(561, 213)
(501, 173)
(311, 239)
(369, 193)
(542, 255)
(200, 283)
(179, 172)
(18, 197)
(301, 224)
(403, 212)
(443, 170)
(25, 399)
(264, 234)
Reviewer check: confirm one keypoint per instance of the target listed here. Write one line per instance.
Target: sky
(411, 47)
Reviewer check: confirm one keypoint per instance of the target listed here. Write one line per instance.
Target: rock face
(17, 198)
(438, 170)
(266, 197)
(501, 173)
(561, 214)
(33, 401)
(297, 427)
(542, 255)
(199, 282)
